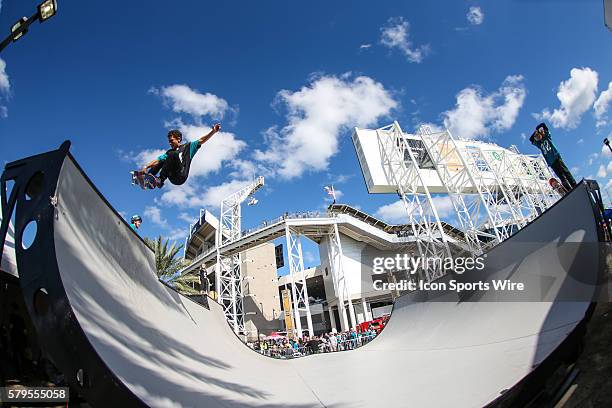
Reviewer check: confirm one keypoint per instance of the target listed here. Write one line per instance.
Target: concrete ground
(594, 382)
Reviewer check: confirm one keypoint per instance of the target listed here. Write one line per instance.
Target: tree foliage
(168, 265)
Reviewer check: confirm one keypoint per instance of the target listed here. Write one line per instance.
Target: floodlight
(17, 26)
(47, 9)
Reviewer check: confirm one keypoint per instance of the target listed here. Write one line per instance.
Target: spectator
(554, 183)
(135, 222)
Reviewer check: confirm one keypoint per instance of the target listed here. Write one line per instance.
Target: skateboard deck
(146, 181)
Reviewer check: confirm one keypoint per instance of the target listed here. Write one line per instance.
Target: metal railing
(287, 351)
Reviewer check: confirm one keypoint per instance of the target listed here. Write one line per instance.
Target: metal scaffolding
(334, 252)
(456, 175)
(402, 166)
(494, 192)
(299, 290)
(228, 273)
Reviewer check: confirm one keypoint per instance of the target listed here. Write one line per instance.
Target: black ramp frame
(122, 338)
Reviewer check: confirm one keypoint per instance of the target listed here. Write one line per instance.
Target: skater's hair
(175, 133)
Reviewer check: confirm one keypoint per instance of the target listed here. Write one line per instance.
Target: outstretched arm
(216, 127)
(149, 165)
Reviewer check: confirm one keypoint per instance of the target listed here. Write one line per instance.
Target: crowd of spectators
(284, 347)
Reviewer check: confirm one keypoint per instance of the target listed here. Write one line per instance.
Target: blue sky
(288, 81)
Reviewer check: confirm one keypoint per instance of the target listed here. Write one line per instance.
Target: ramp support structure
(336, 263)
(299, 290)
(401, 167)
(228, 272)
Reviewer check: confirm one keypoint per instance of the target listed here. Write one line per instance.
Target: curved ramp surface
(123, 338)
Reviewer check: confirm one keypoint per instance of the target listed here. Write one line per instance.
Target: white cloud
(605, 151)
(476, 115)
(183, 99)
(395, 34)
(364, 46)
(177, 234)
(316, 115)
(188, 195)
(395, 213)
(601, 173)
(146, 156)
(601, 105)
(339, 178)
(5, 85)
(581, 140)
(153, 214)
(187, 218)
(609, 168)
(475, 15)
(433, 128)
(444, 205)
(576, 96)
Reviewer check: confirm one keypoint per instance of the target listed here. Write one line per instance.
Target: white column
(342, 289)
(332, 319)
(367, 314)
(343, 316)
(304, 287)
(352, 313)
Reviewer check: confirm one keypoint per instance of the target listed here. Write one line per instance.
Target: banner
(288, 312)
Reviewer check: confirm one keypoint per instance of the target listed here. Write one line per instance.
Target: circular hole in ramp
(35, 185)
(29, 234)
(41, 301)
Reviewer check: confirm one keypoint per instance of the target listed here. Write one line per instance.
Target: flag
(331, 192)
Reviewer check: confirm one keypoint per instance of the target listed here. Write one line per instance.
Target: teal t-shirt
(550, 152)
(193, 148)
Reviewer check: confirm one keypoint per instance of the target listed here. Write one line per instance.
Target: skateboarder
(135, 222)
(175, 163)
(542, 140)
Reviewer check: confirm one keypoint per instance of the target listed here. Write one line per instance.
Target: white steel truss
(502, 219)
(452, 169)
(494, 192)
(334, 252)
(299, 290)
(228, 272)
(401, 168)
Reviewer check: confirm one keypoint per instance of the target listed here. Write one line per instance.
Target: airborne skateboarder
(175, 163)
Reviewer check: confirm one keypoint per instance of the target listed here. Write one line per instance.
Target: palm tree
(168, 266)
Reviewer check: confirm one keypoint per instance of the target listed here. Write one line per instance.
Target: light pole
(45, 11)
(607, 143)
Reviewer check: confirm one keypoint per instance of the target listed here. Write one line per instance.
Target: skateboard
(146, 181)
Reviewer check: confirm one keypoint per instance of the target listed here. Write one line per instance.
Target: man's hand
(215, 128)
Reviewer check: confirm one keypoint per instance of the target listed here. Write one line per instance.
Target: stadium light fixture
(19, 28)
(46, 10)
